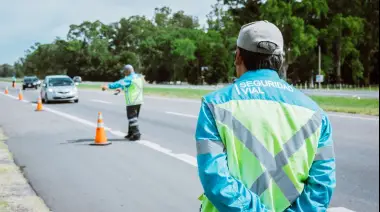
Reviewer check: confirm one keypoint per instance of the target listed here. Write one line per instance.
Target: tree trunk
(367, 67)
(337, 61)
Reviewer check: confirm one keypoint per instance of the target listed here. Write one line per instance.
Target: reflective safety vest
(270, 147)
(134, 92)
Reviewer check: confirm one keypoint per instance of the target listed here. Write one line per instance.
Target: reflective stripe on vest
(281, 159)
(273, 165)
(133, 93)
(209, 147)
(325, 153)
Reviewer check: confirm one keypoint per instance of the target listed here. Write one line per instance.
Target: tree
(369, 44)
(342, 34)
(299, 37)
(172, 47)
(244, 11)
(6, 70)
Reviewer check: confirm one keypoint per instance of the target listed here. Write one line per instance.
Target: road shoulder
(15, 192)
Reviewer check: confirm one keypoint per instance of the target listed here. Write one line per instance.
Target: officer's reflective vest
(134, 92)
(271, 151)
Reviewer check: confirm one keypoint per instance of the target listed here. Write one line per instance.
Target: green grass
(333, 104)
(348, 105)
(10, 80)
(344, 88)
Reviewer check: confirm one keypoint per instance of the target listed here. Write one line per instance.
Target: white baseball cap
(258, 37)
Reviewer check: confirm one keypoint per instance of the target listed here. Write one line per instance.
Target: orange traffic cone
(6, 90)
(20, 97)
(100, 137)
(39, 104)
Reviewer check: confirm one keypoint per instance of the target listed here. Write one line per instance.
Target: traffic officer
(262, 145)
(132, 84)
(14, 81)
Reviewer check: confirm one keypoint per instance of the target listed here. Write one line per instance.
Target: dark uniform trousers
(133, 112)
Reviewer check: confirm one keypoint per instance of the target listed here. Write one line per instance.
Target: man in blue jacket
(132, 85)
(262, 145)
(14, 80)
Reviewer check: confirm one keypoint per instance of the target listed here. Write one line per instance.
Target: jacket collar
(267, 73)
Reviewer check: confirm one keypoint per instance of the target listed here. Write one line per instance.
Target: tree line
(172, 46)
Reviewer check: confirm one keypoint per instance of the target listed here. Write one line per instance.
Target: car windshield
(29, 79)
(60, 82)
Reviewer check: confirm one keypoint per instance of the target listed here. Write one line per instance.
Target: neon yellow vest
(270, 146)
(134, 93)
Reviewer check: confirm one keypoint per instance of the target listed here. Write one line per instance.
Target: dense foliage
(173, 47)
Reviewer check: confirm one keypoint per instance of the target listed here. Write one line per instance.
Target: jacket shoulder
(219, 96)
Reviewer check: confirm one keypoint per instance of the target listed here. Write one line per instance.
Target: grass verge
(348, 105)
(333, 104)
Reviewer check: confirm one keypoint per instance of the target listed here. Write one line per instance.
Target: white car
(77, 79)
(58, 88)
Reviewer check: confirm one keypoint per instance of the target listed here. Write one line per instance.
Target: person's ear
(238, 58)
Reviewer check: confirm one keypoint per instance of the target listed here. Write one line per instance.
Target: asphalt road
(157, 173)
(317, 92)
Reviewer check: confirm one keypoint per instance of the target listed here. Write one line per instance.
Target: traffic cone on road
(39, 104)
(100, 137)
(6, 90)
(20, 97)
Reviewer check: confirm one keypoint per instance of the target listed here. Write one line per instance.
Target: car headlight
(34, 83)
(50, 90)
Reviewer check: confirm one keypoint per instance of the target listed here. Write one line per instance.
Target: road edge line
(179, 156)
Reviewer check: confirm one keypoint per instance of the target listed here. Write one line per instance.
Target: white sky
(24, 22)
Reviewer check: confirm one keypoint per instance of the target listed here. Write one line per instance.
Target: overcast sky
(24, 22)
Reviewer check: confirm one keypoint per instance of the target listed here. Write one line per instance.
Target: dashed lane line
(183, 157)
(329, 114)
(181, 114)
(101, 101)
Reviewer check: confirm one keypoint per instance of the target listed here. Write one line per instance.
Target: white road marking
(329, 114)
(101, 101)
(199, 101)
(13, 97)
(183, 157)
(181, 114)
(172, 99)
(339, 209)
(354, 117)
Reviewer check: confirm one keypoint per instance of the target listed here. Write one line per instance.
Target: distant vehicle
(77, 79)
(58, 88)
(30, 82)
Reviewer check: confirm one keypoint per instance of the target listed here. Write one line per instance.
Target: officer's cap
(261, 37)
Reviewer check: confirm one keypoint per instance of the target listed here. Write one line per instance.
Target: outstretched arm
(224, 191)
(125, 82)
(321, 182)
